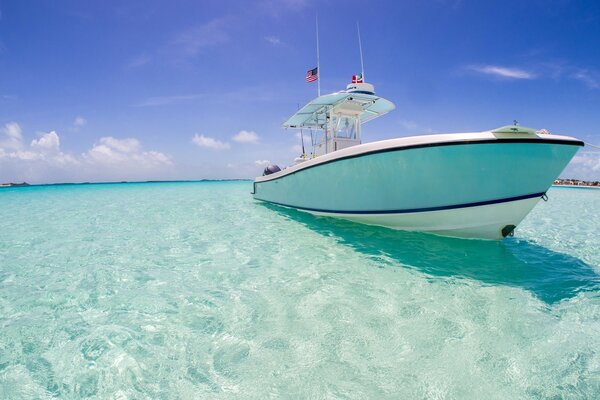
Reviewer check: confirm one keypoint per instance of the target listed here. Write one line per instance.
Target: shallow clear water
(193, 290)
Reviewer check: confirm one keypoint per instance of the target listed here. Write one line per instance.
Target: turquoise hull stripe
(441, 144)
(417, 210)
(421, 179)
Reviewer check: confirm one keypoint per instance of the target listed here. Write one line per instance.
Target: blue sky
(113, 90)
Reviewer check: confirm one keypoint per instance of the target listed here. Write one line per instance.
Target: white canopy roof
(313, 115)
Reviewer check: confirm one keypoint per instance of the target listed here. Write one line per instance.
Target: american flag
(312, 75)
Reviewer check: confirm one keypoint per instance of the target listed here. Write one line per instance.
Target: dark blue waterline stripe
(362, 92)
(414, 210)
(437, 144)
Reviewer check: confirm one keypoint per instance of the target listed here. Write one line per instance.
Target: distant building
(575, 182)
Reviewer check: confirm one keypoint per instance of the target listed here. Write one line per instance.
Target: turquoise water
(193, 290)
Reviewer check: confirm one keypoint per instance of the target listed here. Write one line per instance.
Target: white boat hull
(483, 222)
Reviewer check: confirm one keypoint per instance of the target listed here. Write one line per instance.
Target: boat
(470, 185)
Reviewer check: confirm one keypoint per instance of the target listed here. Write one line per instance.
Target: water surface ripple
(193, 290)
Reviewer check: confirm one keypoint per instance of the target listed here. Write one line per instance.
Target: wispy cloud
(165, 100)
(556, 70)
(262, 163)
(502, 72)
(139, 61)
(414, 127)
(187, 43)
(79, 122)
(559, 70)
(274, 40)
(408, 125)
(586, 77)
(241, 94)
(246, 137)
(12, 130)
(190, 42)
(211, 143)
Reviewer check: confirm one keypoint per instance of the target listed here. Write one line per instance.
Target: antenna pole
(302, 138)
(318, 61)
(362, 65)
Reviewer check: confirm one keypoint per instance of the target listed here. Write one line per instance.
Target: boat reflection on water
(549, 275)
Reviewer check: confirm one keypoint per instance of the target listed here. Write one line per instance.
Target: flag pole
(318, 63)
(362, 65)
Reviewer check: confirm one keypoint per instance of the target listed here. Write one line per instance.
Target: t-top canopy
(314, 114)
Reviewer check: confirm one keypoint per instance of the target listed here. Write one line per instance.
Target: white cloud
(246, 137)
(129, 145)
(13, 130)
(588, 159)
(262, 163)
(25, 155)
(158, 157)
(47, 142)
(79, 121)
(109, 159)
(205, 141)
(503, 72)
(113, 151)
(585, 165)
(64, 158)
(11, 136)
(274, 40)
(45, 149)
(104, 154)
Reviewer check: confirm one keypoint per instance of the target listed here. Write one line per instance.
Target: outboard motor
(271, 169)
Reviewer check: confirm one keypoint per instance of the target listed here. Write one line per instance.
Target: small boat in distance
(472, 185)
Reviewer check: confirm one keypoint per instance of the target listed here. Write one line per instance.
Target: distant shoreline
(25, 184)
(572, 183)
(576, 183)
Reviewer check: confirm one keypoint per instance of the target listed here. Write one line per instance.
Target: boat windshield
(345, 126)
